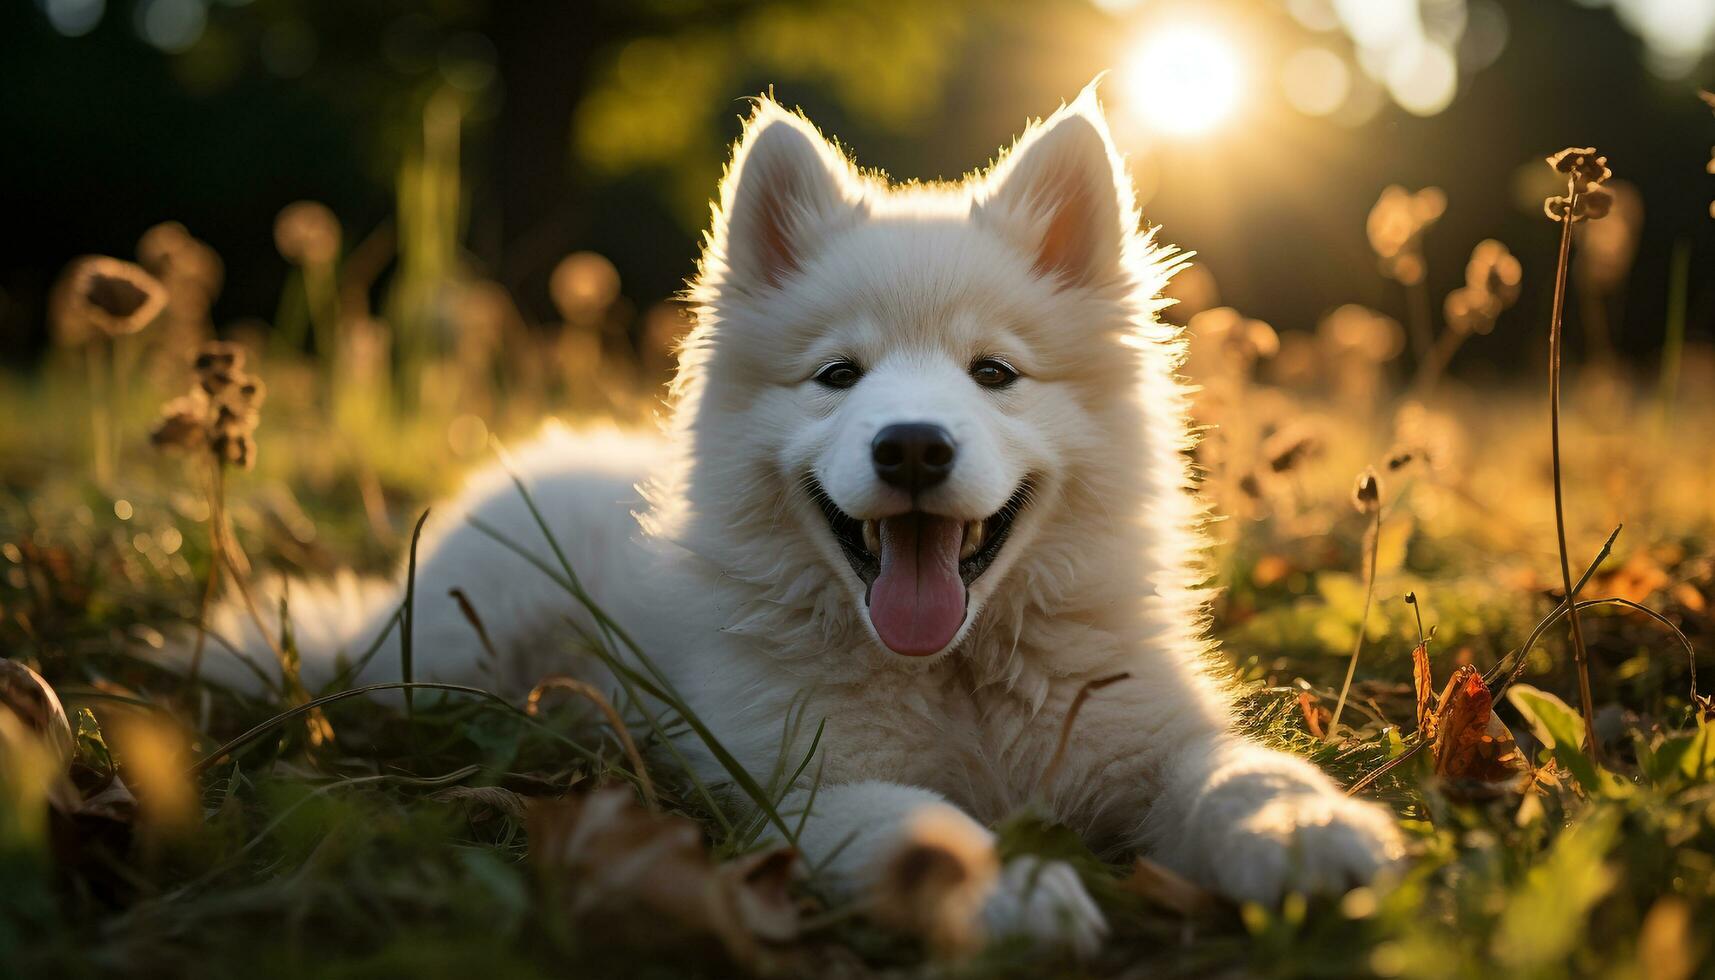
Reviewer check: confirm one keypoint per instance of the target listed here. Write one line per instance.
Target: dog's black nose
(912, 456)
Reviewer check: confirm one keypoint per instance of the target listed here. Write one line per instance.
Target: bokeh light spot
(171, 25)
(1183, 80)
(74, 18)
(1316, 81)
(1423, 78)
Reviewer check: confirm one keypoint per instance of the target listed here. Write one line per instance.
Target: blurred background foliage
(602, 126)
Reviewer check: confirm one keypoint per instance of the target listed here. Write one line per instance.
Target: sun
(1182, 80)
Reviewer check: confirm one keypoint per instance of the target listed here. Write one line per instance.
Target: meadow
(1388, 579)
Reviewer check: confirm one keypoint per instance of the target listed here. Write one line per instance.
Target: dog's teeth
(973, 539)
(872, 537)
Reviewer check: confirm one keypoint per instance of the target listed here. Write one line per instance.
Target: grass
(330, 833)
(353, 859)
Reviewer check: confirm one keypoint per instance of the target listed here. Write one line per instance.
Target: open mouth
(917, 567)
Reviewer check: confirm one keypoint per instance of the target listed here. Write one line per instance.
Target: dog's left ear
(1063, 195)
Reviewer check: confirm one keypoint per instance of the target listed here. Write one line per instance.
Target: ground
(362, 839)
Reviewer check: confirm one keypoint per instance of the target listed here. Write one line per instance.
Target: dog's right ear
(1062, 195)
(786, 191)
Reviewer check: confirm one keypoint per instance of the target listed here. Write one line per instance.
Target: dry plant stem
(1580, 655)
(226, 555)
(1417, 743)
(216, 518)
(469, 612)
(100, 421)
(1084, 692)
(564, 683)
(1422, 331)
(1430, 370)
(1372, 540)
(291, 683)
(256, 618)
(122, 364)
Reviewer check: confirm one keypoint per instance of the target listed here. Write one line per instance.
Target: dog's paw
(1314, 841)
(943, 882)
(1046, 902)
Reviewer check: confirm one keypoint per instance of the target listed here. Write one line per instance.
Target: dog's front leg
(880, 842)
(1255, 823)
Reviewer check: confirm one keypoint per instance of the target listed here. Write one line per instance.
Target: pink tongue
(917, 603)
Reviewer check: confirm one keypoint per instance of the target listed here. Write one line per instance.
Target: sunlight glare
(1183, 80)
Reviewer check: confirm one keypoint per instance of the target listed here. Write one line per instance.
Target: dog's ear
(786, 191)
(1063, 195)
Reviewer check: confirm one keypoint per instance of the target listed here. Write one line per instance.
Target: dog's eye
(992, 372)
(838, 374)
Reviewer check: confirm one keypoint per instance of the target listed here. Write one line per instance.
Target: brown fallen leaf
(1316, 717)
(1473, 750)
(1687, 595)
(1636, 580)
(1423, 688)
(1471, 743)
(636, 871)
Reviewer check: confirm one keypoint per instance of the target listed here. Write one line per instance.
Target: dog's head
(917, 381)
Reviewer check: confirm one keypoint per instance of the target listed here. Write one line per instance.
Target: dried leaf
(111, 800)
(1471, 744)
(637, 870)
(1423, 687)
(1316, 717)
(1636, 580)
(1687, 595)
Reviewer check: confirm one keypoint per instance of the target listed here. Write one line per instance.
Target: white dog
(924, 479)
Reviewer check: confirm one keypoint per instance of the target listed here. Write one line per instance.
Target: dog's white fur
(736, 587)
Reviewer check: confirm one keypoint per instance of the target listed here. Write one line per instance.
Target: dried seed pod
(1395, 228)
(1471, 310)
(583, 286)
(1289, 447)
(307, 234)
(221, 412)
(1495, 270)
(215, 383)
(234, 449)
(101, 295)
(1595, 203)
(172, 254)
(1583, 165)
(1367, 492)
(183, 425)
(1586, 200)
(219, 355)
